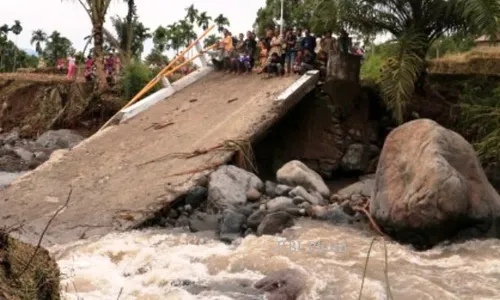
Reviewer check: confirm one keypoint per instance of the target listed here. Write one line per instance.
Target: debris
(158, 126)
(232, 100)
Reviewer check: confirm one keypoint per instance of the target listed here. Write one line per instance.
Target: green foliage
(139, 35)
(400, 72)
(56, 47)
(135, 76)
(371, 68)
(210, 40)
(450, 44)
(11, 55)
(480, 117)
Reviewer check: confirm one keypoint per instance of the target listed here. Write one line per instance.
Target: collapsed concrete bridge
(124, 174)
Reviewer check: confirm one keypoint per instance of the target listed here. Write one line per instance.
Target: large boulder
(228, 186)
(430, 186)
(295, 173)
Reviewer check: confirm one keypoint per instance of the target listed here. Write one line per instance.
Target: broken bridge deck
(113, 186)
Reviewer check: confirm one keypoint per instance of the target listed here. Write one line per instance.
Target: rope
(386, 270)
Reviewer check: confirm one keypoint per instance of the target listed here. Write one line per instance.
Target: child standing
(71, 67)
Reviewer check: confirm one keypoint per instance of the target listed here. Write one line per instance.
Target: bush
(480, 117)
(135, 76)
(373, 63)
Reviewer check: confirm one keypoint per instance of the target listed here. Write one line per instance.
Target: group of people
(290, 52)
(111, 64)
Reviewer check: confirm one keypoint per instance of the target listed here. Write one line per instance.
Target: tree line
(414, 25)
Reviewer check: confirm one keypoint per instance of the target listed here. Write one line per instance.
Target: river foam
(175, 264)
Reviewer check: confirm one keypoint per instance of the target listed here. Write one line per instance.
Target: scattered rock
(270, 189)
(335, 198)
(256, 218)
(353, 158)
(228, 186)
(429, 185)
(173, 214)
(196, 196)
(363, 187)
(287, 284)
(275, 223)
(231, 225)
(282, 189)
(279, 203)
(203, 222)
(302, 193)
(11, 137)
(334, 214)
(57, 139)
(24, 154)
(298, 200)
(182, 221)
(253, 195)
(295, 173)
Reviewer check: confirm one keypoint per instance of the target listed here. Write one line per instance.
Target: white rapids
(176, 264)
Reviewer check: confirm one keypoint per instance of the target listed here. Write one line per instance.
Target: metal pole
(282, 21)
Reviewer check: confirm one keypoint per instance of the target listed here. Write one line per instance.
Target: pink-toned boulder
(430, 187)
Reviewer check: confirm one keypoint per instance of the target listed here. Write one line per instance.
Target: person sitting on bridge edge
(275, 66)
(308, 62)
(244, 63)
(250, 46)
(228, 49)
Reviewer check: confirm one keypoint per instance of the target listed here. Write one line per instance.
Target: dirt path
(111, 189)
(34, 77)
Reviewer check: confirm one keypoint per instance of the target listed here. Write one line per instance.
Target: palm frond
(400, 72)
(483, 15)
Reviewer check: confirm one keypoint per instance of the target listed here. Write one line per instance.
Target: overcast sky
(70, 19)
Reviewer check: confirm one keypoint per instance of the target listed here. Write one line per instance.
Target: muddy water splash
(161, 264)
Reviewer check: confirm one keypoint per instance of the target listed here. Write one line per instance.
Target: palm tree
(132, 12)
(221, 21)
(174, 37)
(160, 38)
(16, 29)
(97, 10)
(38, 37)
(192, 14)
(186, 32)
(210, 40)
(204, 20)
(415, 25)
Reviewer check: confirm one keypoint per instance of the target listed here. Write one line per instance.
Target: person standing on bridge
(71, 67)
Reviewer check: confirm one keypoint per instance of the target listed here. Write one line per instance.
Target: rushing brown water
(166, 264)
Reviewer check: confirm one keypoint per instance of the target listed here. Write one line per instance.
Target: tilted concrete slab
(114, 186)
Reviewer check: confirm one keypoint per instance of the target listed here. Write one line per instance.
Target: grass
(39, 281)
(479, 60)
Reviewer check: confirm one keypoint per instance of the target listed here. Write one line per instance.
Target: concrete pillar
(165, 82)
(202, 57)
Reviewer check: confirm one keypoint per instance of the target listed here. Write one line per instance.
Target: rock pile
(236, 203)
(19, 155)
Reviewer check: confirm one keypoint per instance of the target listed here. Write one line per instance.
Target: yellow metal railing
(165, 72)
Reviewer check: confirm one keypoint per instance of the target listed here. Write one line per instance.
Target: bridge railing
(166, 72)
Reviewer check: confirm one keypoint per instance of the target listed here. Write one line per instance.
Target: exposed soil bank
(39, 281)
(38, 106)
